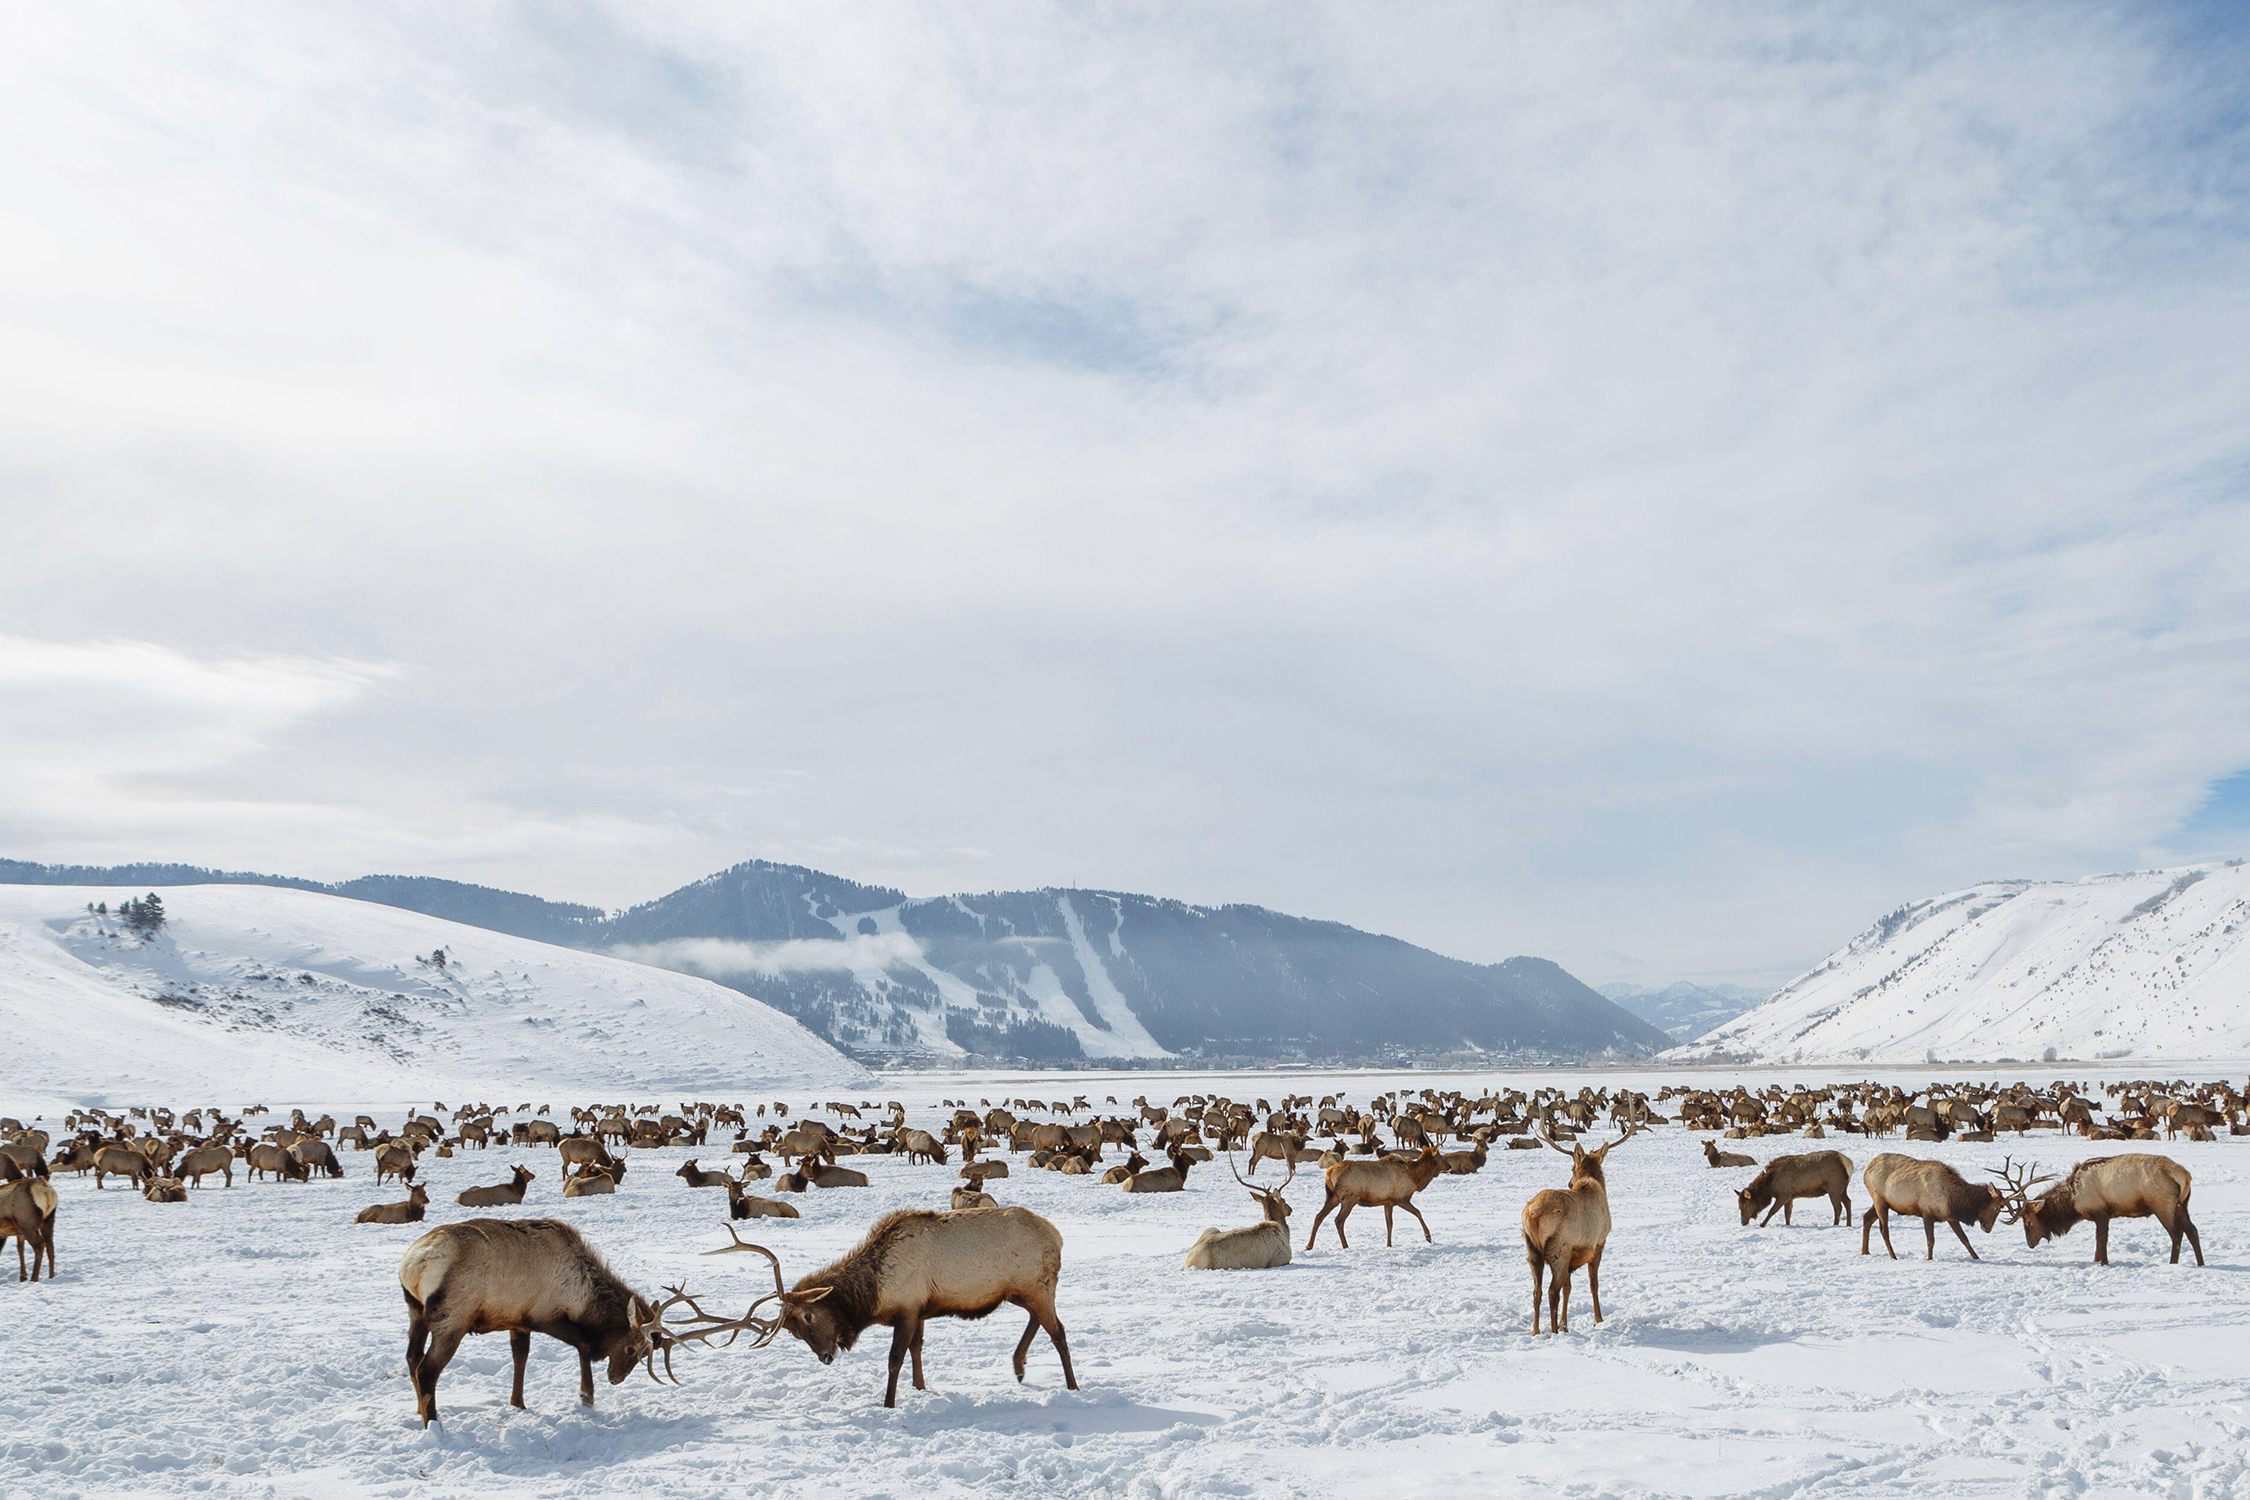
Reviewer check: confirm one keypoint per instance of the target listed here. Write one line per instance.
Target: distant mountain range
(1685, 1011)
(1049, 976)
(2147, 964)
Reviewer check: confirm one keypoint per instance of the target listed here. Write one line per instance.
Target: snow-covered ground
(251, 1342)
(256, 992)
(2150, 964)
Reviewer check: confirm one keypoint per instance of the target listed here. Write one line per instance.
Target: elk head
(813, 1326)
(1275, 1206)
(2015, 1193)
(1584, 1163)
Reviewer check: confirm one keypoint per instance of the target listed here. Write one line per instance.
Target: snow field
(251, 1343)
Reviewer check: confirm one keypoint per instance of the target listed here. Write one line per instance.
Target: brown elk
(1388, 1183)
(917, 1264)
(317, 1156)
(27, 1216)
(1713, 1156)
(813, 1173)
(920, 1145)
(499, 1194)
(1930, 1191)
(271, 1160)
(698, 1177)
(1815, 1174)
(1261, 1247)
(977, 1173)
(409, 1212)
(526, 1276)
(120, 1161)
(1169, 1179)
(394, 1159)
(1565, 1228)
(160, 1189)
(591, 1183)
(2098, 1190)
(742, 1204)
(584, 1151)
(194, 1166)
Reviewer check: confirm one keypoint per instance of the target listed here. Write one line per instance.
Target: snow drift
(256, 992)
(2152, 964)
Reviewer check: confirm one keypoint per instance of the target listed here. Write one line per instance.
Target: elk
(394, 1159)
(158, 1189)
(121, 1161)
(1930, 1191)
(1713, 1156)
(1388, 1183)
(747, 1205)
(526, 1276)
(969, 1197)
(267, 1159)
(591, 1183)
(977, 1173)
(194, 1166)
(583, 1151)
(409, 1212)
(27, 1216)
(1261, 1247)
(917, 1264)
(498, 1194)
(1815, 1174)
(819, 1174)
(317, 1156)
(1169, 1179)
(1565, 1228)
(2100, 1189)
(920, 1145)
(697, 1177)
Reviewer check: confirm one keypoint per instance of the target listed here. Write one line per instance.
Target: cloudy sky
(1652, 486)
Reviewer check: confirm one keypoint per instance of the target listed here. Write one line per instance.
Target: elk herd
(526, 1275)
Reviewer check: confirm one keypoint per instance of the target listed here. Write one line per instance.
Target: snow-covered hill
(252, 992)
(2153, 964)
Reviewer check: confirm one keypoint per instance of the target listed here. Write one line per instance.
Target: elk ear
(807, 1297)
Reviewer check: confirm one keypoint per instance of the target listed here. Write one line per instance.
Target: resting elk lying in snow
(591, 1183)
(743, 1204)
(498, 1194)
(969, 1197)
(526, 1276)
(917, 1264)
(1261, 1247)
(1930, 1191)
(409, 1212)
(1713, 1156)
(1388, 1183)
(2100, 1189)
(1565, 1228)
(1815, 1174)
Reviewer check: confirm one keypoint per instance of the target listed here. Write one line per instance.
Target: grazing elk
(266, 1159)
(27, 1216)
(394, 1159)
(1930, 1191)
(316, 1155)
(2100, 1189)
(499, 1194)
(1565, 1228)
(917, 1264)
(1713, 1156)
(194, 1166)
(1388, 1183)
(1261, 1247)
(409, 1212)
(527, 1276)
(1815, 1174)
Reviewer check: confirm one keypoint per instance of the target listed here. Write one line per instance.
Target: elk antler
(2018, 1183)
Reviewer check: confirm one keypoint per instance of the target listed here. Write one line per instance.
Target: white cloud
(725, 958)
(1649, 487)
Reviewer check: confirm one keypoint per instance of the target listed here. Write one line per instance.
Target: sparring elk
(2098, 1190)
(1930, 1191)
(1565, 1228)
(1261, 1247)
(409, 1212)
(27, 1216)
(1785, 1179)
(498, 1194)
(526, 1276)
(917, 1264)
(1388, 1183)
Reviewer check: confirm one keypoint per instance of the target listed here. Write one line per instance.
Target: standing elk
(409, 1212)
(266, 1159)
(917, 1264)
(194, 1166)
(1565, 1228)
(1261, 1247)
(1387, 1183)
(123, 1161)
(316, 1155)
(1815, 1174)
(394, 1159)
(499, 1194)
(27, 1216)
(527, 1276)
(1930, 1191)
(584, 1151)
(2100, 1189)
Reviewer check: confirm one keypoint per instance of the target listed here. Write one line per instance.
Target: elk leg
(1866, 1226)
(1538, 1271)
(2101, 1240)
(1843, 1210)
(1594, 1283)
(1325, 1209)
(1386, 1226)
(1887, 1233)
(1929, 1233)
(1342, 1214)
(417, 1336)
(915, 1350)
(1425, 1223)
(1558, 1296)
(1788, 1211)
(2187, 1226)
(585, 1378)
(519, 1349)
(1023, 1345)
(1958, 1233)
(1768, 1219)
(1055, 1335)
(434, 1361)
(901, 1336)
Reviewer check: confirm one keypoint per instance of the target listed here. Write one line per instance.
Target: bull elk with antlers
(917, 1264)
(2100, 1189)
(1261, 1247)
(1565, 1228)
